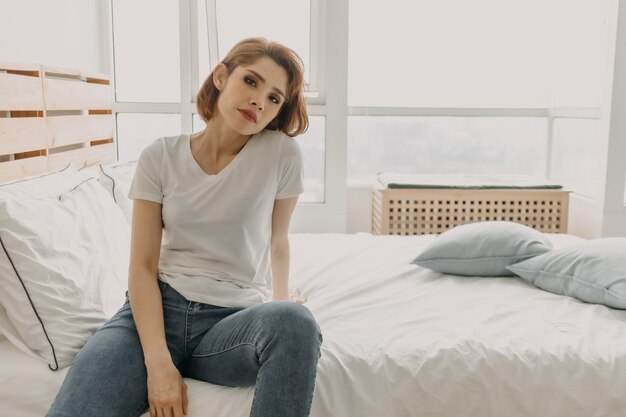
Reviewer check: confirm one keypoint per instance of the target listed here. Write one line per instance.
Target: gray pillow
(483, 248)
(593, 271)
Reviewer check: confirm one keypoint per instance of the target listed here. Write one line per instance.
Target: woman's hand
(296, 297)
(167, 392)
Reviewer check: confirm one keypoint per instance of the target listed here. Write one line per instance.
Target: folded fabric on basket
(399, 180)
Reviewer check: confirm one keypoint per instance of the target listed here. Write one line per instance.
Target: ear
(220, 74)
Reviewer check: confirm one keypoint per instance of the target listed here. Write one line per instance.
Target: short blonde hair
(292, 119)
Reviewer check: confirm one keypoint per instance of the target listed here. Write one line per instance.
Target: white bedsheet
(400, 340)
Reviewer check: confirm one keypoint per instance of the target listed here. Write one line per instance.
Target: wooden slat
(21, 134)
(14, 170)
(12, 66)
(82, 157)
(19, 92)
(95, 76)
(28, 95)
(75, 95)
(97, 81)
(30, 154)
(25, 113)
(101, 142)
(68, 130)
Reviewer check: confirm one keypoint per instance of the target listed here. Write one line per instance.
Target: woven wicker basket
(435, 210)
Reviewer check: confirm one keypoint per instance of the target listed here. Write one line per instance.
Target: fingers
(301, 300)
(179, 410)
(176, 409)
(171, 411)
(296, 296)
(167, 393)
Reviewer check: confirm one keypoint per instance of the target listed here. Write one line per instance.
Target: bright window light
(147, 61)
(575, 154)
(284, 21)
(481, 53)
(135, 131)
(446, 145)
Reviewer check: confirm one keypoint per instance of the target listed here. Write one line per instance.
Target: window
(445, 145)
(313, 145)
(482, 53)
(473, 87)
(575, 155)
(285, 21)
(266, 19)
(141, 129)
(147, 61)
(159, 69)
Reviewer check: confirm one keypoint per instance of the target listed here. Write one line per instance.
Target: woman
(210, 220)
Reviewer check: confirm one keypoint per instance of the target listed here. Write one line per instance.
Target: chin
(248, 130)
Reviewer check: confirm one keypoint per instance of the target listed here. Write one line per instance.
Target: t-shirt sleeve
(291, 172)
(146, 184)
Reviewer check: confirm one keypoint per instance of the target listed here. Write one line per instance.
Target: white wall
(59, 33)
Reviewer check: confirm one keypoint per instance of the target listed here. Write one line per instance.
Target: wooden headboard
(50, 117)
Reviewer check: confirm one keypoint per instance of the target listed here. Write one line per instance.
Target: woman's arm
(143, 291)
(281, 217)
(166, 388)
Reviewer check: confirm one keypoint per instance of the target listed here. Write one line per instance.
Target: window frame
(329, 73)
(551, 114)
(327, 95)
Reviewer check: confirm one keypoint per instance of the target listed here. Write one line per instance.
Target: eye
(275, 99)
(249, 81)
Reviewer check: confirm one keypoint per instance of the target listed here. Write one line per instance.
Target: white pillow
(482, 248)
(41, 186)
(116, 178)
(92, 171)
(593, 271)
(49, 184)
(63, 269)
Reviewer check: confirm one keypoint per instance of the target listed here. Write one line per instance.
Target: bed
(399, 339)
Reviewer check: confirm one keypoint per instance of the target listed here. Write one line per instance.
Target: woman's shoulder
(278, 139)
(165, 144)
(271, 135)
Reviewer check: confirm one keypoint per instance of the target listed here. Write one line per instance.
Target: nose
(257, 103)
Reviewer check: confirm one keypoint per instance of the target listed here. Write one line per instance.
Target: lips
(249, 115)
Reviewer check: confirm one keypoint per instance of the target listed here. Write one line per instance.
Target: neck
(218, 140)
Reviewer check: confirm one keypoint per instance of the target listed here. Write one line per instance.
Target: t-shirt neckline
(198, 169)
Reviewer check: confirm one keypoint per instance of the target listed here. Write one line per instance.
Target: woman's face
(252, 95)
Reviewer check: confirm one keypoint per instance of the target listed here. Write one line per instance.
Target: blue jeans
(274, 346)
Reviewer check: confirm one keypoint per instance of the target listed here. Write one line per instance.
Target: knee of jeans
(297, 321)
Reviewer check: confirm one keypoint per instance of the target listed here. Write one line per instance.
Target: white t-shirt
(217, 228)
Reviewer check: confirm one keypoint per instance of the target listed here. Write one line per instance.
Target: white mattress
(400, 340)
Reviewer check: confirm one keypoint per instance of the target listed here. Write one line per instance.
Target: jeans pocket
(163, 286)
(169, 296)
